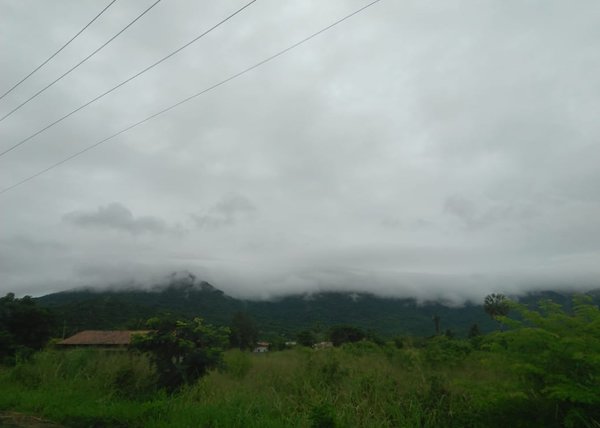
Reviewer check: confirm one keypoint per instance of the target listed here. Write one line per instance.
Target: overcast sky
(420, 148)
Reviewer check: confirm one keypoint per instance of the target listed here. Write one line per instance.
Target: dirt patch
(19, 420)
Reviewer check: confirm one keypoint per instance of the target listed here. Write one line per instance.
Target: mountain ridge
(130, 307)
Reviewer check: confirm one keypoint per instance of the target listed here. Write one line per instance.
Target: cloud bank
(421, 149)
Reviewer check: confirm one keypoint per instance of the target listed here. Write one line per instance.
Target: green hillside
(130, 307)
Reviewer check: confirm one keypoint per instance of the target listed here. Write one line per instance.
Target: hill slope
(129, 308)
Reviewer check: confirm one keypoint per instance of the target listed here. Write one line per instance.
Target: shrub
(133, 379)
(183, 351)
(306, 338)
(361, 348)
(322, 416)
(441, 350)
(399, 342)
(344, 334)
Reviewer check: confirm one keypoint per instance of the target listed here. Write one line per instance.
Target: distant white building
(323, 345)
(261, 347)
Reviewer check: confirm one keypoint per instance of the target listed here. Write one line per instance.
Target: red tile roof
(102, 337)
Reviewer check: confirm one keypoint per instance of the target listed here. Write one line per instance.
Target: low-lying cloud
(116, 216)
(226, 212)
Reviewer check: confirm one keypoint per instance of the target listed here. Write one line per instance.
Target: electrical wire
(185, 100)
(80, 62)
(57, 52)
(102, 95)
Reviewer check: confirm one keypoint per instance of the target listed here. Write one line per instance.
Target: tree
(372, 336)
(182, 351)
(344, 334)
(436, 322)
(306, 338)
(24, 326)
(475, 336)
(496, 305)
(474, 331)
(556, 353)
(243, 331)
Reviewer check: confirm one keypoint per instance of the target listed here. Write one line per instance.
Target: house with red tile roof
(102, 338)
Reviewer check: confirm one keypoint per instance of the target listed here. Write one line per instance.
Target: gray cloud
(116, 216)
(226, 212)
(494, 213)
(421, 148)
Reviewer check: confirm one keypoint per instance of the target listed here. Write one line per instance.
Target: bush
(134, 380)
(361, 348)
(345, 334)
(399, 342)
(306, 338)
(441, 350)
(322, 416)
(183, 351)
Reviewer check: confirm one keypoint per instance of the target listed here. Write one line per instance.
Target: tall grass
(80, 387)
(361, 385)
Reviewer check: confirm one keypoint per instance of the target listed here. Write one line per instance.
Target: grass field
(357, 385)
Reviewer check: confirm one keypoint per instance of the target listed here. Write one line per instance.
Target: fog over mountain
(424, 149)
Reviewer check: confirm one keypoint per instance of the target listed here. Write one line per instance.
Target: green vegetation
(243, 331)
(543, 371)
(345, 334)
(24, 327)
(130, 308)
(557, 357)
(496, 305)
(182, 351)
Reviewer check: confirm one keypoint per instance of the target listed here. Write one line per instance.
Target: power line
(93, 100)
(58, 51)
(80, 62)
(185, 100)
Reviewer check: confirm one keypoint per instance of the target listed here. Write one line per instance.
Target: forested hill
(130, 308)
(385, 316)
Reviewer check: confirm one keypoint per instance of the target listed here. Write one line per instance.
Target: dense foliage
(345, 334)
(306, 338)
(183, 351)
(24, 327)
(243, 331)
(557, 356)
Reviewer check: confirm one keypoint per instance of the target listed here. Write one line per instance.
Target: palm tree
(496, 305)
